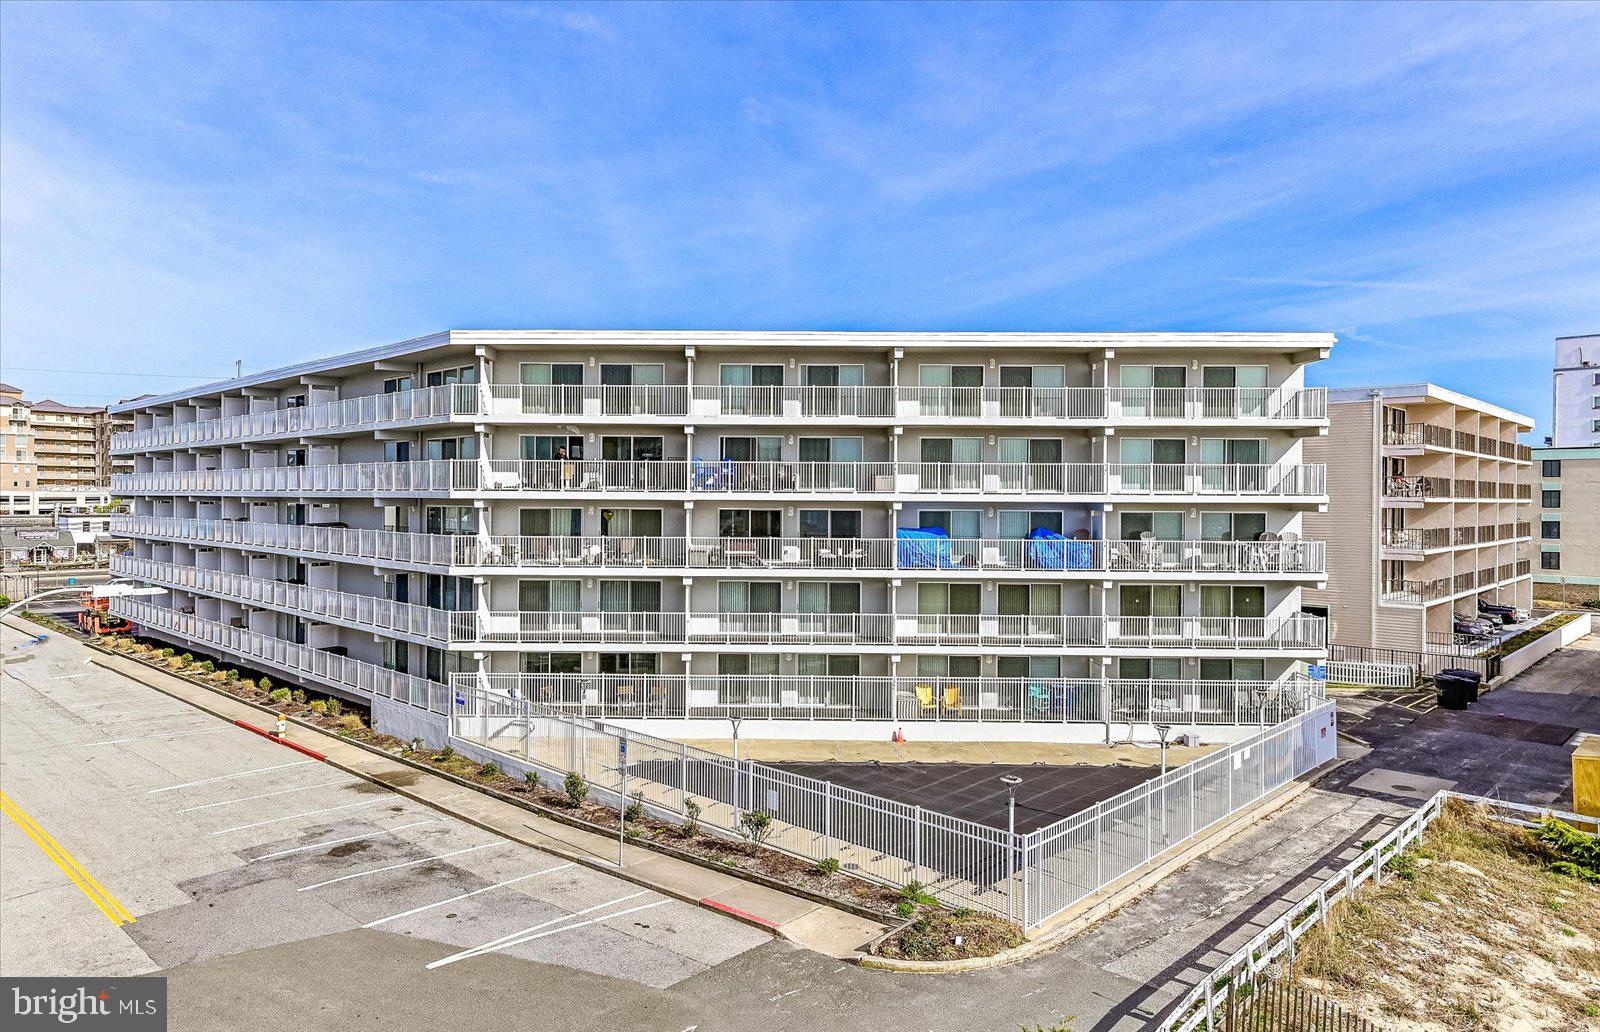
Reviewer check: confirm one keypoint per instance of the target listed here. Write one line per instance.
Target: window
(1549, 560)
(1161, 600)
(552, 446)
(958, 523)
(550, 522)
(552, 662)
(940, 599)
(1040, 450)
(1550, 499)
(748, 596)
(629, 663)
(752, 449)
(294, 457)
(1596, 400)
(1235, 600)
(1232, 670)
(630, 522)
(295, 401)
(746, 680)
(1232, 526)
(451, 519)
(948, 666)
(830, 449)
(1595, 426)
(442, 664)
(1019, 523)
(812, 664)
(742, 523)
(396, 384)
(627, 388)
(397, 451)
(396, 655)
(951, 449)
(1164, 526)
(452, 593)
(1029, 666)
(1550, 530)
(1551, 468)
(1030, 600)
(549, 596)
(461, 374)
(452, 448)
(829, 597)
(294, 514)
(751, 389)
(830, 523)
(551, 374)
(630, 596)
(1150, 669)
(950, 390)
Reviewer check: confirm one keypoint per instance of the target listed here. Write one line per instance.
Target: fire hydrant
(281, 727)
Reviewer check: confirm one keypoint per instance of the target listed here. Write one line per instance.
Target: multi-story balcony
(1417, 438)
(518, 403)
(905, 699)
(1411, 542)
(477, 627)
(1409, 491)
(691, 555)
(1442, 589)
(678, 477)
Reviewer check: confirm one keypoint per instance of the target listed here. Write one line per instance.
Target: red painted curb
(297, 747)
(741, 914)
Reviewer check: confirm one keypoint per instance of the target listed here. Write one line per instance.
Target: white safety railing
(513, 401)
(1030, 877)
(730, 553)
(697, 476)
(348, 609)
(909, 699)
(1373, 675)
(371, 412)
(365, 680)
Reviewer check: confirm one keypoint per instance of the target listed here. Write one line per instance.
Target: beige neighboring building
(1568, 569)
(55, 457)
(1430, 511)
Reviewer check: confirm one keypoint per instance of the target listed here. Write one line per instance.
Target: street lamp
(738, 814)
(1011, 781)
(1162, 731)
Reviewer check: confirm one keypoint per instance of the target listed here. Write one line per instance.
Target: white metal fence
(1029, 877)
(1373, 675)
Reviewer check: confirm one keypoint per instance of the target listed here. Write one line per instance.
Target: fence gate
(1373, 675)
(1281, 1005)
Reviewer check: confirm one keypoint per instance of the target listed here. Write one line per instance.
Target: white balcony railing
(723, 553)
(906, 698)
(372, 614)
(371, 412)
(680, 477)
(366, 680)
(513, 401)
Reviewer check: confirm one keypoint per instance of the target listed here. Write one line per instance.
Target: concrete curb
(565, 854)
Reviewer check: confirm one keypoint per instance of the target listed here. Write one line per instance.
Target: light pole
(1261, 692)
(1011, 781)
(1162, 731)
(738, 814)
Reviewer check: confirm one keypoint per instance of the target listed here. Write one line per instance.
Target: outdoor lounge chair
(952, 698)
(925, 700)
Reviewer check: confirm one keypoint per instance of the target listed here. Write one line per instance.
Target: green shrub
(265, 684)
(577, 788)
(755, 826)
(635, 808)
(489, 770)
(167, 653)
(828, 866)
(186, 659)
(335, 707)
(1579, 852)
(349, 723)
(691, 819)
(279, 695)
(205, 666)
(905, 908)
(914, 891)
(319, 707)
(530, 780)
(298, 695)
(446, 754)
(230, 675)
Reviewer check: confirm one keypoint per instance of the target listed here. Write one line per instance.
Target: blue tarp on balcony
(922, 549)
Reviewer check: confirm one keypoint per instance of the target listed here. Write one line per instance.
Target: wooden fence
(1280, 1005)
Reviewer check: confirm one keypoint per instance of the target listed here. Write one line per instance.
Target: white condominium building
(987, 535)
(1577, 392)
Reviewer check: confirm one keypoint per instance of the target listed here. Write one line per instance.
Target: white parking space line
(465, 895)
(229, 777)
(510, 939)
(396, 867)
(342, 841)
(583, 924)
(292, 816)
(267, 795)
(80, 719)
(162, 738)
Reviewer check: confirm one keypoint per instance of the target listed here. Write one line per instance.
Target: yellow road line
(97, 893)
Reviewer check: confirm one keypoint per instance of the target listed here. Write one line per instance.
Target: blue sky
(184, 185)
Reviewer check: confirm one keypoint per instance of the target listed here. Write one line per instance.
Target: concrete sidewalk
(815, 926)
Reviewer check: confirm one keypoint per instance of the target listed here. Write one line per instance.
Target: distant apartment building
(1568, 570)
(1577, 392)
(990, 534)
(55, 457)
(1430, 511)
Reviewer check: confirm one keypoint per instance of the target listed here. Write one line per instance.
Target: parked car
(1497, 612)
(1472, 626)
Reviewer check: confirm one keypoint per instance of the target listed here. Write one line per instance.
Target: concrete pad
(1399, 783)
(830, 935)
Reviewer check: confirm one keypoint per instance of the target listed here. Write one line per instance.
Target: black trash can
(1458, 688)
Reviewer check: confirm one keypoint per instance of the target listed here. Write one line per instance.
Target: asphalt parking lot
(219, 842)
(974, 792)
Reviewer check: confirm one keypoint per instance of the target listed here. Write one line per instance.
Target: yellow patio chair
(952, 698)
(925, 700)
